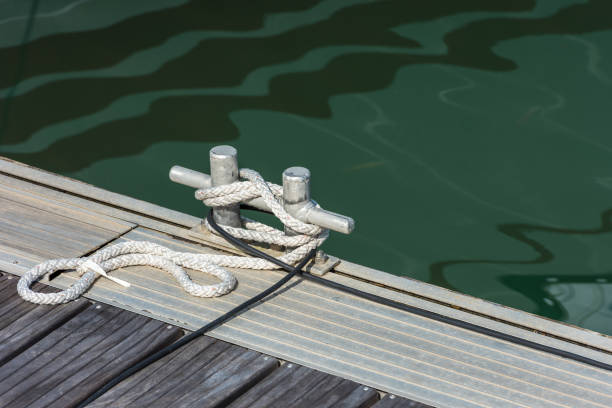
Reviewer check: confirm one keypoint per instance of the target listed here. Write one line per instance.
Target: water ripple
(56, 13)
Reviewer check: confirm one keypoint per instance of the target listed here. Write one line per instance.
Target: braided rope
(151, 254)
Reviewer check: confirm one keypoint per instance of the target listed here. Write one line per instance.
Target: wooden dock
(333, 346)
(56, 356)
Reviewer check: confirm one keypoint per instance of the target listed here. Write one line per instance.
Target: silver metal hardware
(296, 192)
(190, 178)
(310, 212)
(224, 170)
(321, 256)
(322, 265)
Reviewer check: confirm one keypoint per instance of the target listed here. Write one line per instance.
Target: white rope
(151, 254)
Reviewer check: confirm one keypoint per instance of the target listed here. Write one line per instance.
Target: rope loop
(133, 253)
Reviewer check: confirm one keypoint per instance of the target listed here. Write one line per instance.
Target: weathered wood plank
(48, 239)
(43, 242)
(147, 214)
(263, 278)
(34, 325)
(293, 385)
(73, 360)
(111, 357)
(21, 323)
(338, 393)
(12, 306)
(78, 188)
(4, 283)
(223, 379)
(40, 250)
(57, 371)
(40, 218)
(392, 401)
(355, 398)
(69, 362)
(42, 354)
(478, 306)
(36, 228)
(62, 208)
(396, 351)
(167, 372)
(15, 261)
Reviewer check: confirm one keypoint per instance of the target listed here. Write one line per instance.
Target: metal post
(296, 192)
(188, 177)
(224, 170)
(309, 213)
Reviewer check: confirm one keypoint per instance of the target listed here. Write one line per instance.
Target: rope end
(91, 265)
(120, 281)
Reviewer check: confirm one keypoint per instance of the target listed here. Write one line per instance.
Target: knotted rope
(151, 254)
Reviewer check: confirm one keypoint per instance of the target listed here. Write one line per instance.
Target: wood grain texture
(204, 373)
(336, 333)
(166, 220)
(293, 385)
(35, 228)
(107, 199)
(70, 362)
(372, 344)
(64, 363)
(23, 324)
(392, 401)
(343, 335)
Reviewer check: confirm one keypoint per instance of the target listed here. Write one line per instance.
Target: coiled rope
(147, 253)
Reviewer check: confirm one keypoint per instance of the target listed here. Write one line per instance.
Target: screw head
(320, 256)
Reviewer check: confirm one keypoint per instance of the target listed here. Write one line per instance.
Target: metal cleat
(224, 169)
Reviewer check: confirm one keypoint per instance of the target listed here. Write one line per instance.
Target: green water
(470, 140)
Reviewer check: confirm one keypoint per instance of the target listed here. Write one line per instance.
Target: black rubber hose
(186, 339)
(411, 309)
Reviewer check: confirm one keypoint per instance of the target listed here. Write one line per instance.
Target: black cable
(411, 309)
(293, 271)
(186, 339)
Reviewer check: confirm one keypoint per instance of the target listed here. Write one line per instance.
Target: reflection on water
(483, 125)
(550, 293)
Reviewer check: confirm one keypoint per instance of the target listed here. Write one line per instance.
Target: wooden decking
(318, 328)
(56, 356)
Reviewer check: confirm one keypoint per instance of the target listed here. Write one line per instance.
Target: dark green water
(470, 140)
